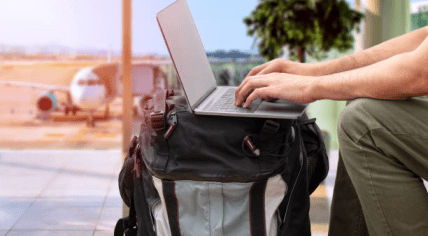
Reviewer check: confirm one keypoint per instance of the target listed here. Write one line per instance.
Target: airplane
(97, 86)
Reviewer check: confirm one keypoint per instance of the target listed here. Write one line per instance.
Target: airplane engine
(47, 102)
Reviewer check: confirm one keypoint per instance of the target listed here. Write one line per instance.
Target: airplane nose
(91, 97)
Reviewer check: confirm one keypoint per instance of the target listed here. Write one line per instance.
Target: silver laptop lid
(186, 51)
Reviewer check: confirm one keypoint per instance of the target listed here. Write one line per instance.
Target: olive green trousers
(383, 158)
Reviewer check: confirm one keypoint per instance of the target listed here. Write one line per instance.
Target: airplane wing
(152, 63)
(36, 86)
(46, 102)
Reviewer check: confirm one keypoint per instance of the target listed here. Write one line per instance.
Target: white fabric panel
(193, 207)
(218, 209)
(236, 208)
(276, 189)
(160, 214)
(216, 203)
(213, 208)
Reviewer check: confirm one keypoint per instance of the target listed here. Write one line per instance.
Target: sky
(84, 24)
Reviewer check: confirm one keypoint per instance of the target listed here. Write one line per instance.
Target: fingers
(257, 69)
(262, 93)
(248, 87)
(266, 68)
(238, 90)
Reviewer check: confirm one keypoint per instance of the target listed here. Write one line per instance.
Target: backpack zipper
(294, 185)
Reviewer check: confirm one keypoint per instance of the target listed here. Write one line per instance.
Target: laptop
(196, 77)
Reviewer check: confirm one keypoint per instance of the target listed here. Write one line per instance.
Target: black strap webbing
(257, 209)
(171, 206)
(127, 226)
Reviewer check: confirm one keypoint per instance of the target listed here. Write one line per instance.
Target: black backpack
(194, 175)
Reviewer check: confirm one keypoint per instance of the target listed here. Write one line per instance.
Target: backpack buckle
(271, 126)
(157, 120)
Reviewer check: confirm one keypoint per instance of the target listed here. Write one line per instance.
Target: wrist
(312, 69)
(320, 68)
(315, 88)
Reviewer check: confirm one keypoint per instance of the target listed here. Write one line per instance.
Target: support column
(126, 80)
(384, 20)
(372, 34)
(395, 18)
(126, 74)
(358, 45)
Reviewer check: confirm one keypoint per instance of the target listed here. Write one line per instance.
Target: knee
(358, 117)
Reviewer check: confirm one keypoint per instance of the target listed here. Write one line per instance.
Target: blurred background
(64, 86)
(50, 42)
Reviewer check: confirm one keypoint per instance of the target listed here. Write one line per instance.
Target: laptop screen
(186, 51)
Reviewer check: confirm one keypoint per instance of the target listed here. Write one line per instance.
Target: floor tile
(16, 202)
(98, 161)
(113, 201)
(319, 234)
(321, 200)
(331, 178)
(9, 216)
(109, 217)
(319, 230)
(3, 232)
(47, 216)
(113, 197)
(49, 233)
(51, 192)
(80, 182)
(319, 212)
(11, 209)
(21, 193)
(72, 201)
(13, 170)
(36, 182)
(103, 232)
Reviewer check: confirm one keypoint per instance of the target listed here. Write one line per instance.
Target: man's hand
(294, 88)
(265, 81)
(285, 66)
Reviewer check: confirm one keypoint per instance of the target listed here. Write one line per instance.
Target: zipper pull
(137, 163)
(251, 146)
(172, 126)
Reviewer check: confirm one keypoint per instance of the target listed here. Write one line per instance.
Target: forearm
(385, 50)
(399, 77)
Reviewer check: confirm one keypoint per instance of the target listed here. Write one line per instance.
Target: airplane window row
(90, 82)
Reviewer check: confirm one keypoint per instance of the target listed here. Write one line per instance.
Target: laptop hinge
(203, 98)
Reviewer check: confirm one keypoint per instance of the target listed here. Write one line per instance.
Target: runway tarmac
(33, 134)
(19, 127)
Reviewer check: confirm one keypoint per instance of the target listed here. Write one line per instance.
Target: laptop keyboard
(226, 103)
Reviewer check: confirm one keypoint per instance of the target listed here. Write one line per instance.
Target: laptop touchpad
(280, 106)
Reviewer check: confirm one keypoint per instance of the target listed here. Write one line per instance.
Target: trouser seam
(371, 179)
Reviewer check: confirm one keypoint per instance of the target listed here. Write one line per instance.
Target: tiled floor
(76, 193)
(59, 192)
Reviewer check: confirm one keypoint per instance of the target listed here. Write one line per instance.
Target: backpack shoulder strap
(127, 225)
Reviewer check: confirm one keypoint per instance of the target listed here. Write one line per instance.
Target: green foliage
(420, 19)
(314, 26)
